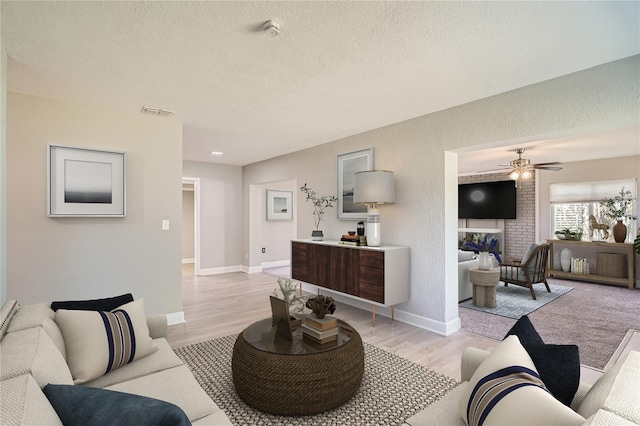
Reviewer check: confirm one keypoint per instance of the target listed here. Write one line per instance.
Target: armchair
(532, 269)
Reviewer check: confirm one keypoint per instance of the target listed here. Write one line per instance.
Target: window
(573, 203)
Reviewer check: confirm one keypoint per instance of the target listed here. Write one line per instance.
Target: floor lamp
(373, 187)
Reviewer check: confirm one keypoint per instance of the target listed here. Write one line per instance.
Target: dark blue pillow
(106, 304)
(526, 332)
(79, 405)
(559, 369)
(558, 365)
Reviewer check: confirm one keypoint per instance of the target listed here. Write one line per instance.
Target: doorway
(190, 226)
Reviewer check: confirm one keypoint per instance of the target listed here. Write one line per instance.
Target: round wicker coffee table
(295, 378)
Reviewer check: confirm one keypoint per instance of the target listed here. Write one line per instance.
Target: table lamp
(373, 187)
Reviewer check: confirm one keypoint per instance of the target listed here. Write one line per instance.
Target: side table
(484, 286)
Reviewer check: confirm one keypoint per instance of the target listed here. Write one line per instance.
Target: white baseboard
(425, 323)
(276, 264)
(251, 269)
(175, 318)
(220, 270)
(192, 260)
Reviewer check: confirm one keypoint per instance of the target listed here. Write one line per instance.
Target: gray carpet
(514, 301)
(595, 317)
(393, 388)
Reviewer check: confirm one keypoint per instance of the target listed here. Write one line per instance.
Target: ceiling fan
(521, 168)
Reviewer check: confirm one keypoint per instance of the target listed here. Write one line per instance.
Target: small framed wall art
(84, 182)
(348, 165)
(279, 205)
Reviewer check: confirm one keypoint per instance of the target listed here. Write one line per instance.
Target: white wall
(425, 214)
(276, 236)
(81, 258)
(3, 171)
(220, 215)
(188, 224)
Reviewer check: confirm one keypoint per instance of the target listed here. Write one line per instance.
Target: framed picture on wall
(85, 182)
(348, 165)
(279, 205)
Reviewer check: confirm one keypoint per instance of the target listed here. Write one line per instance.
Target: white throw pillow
(464, 256)
(98, 342)
(506, 390)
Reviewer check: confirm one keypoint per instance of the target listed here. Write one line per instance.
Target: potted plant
(618, 208)
(290, 294)
(484, 247)
(320, 204)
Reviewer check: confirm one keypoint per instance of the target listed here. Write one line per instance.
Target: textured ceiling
(337, 68)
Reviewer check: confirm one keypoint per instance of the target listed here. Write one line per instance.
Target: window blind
(590, 191)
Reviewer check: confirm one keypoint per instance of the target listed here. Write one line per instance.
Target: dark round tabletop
(295, 377)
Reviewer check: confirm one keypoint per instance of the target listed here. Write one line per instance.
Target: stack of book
(350, 240)
(320, 331)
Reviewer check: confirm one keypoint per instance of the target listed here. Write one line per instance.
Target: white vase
(557, 265)
(484, 261)
(565, 259)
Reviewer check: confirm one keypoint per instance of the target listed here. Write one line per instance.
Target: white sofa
(466, 261)
(32, 355)
(612, 400)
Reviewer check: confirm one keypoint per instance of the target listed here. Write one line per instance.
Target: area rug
(393, 388)
(514, 301)
(280, 271)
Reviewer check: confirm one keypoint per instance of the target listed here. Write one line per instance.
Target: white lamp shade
(374, 187)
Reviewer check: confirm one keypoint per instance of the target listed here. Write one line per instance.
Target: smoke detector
(271, 28)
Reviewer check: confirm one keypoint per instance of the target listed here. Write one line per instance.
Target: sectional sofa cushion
(7, 312)
(38, 315)
(175, 385)
(616, 391)
(106, 304)
(522, 398)
(99, 341)
(23, 403)
(32, 352)
(79, 405)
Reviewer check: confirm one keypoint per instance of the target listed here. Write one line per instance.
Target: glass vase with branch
(320, 205)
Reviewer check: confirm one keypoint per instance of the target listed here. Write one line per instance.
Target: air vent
(156, 111)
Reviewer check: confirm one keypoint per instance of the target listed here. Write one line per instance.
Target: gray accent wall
(422, 154)
(83, 258)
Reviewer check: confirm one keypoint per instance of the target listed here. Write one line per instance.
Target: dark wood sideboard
(378, 275)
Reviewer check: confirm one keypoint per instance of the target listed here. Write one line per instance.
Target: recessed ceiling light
(217, 153)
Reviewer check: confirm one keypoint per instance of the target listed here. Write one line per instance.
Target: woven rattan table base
(297, 385)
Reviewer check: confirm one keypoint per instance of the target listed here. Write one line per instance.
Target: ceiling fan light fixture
(514, 174)
(526, 174)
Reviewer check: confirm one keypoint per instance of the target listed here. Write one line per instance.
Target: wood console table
(600, 246)
(377, 275)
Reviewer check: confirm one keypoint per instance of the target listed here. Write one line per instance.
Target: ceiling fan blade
(552, 163)
(542, 167)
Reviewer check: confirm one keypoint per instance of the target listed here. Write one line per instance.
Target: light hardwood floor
(219, 305)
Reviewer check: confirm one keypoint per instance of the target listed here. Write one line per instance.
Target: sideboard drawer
(373, 259)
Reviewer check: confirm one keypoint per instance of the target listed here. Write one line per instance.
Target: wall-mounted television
(487, 200)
